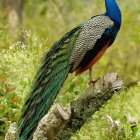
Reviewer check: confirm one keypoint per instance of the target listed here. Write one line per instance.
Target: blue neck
(113, 11)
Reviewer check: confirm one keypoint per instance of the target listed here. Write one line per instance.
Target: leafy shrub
(18, 65)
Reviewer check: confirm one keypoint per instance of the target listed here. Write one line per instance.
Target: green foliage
(18, 67)
(119, 108)
(9, 105)
(50, 19)
(20, 61)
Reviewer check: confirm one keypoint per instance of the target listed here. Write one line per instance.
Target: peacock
(77, 51)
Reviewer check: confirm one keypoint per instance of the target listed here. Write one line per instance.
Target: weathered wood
(85, 106)
(61, 124)
(12, 133)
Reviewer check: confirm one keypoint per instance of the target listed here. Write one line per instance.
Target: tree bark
(61, 124)
(14, 14)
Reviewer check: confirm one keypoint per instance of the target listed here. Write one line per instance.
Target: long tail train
(49, 80)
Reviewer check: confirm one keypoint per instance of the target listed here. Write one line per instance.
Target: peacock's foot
(93, 81)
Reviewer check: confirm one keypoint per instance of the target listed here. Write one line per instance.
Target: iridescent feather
(49, 80)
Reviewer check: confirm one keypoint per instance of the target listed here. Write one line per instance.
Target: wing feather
(92, 30)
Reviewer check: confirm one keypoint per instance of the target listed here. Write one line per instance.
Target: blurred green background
(45, 21)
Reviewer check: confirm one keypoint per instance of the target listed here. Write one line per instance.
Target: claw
(93, 81)
(91, 77)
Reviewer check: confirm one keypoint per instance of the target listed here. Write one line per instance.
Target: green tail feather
(49, 80)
